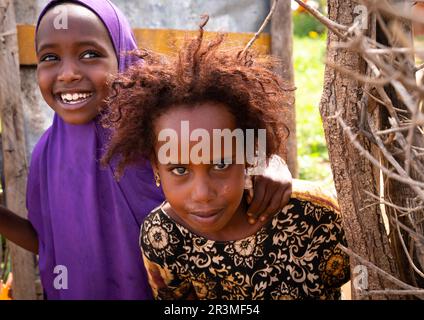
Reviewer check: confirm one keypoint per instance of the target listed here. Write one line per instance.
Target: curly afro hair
(201, 71)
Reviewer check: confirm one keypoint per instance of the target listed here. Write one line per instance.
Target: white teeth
(74, 97)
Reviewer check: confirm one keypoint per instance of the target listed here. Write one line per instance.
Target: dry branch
(380, 271)
(261, 29)
(331, 25)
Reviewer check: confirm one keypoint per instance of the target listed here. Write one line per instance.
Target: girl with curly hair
(197, 243)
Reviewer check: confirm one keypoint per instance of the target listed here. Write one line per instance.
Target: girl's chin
(207, 227)
(77, 119)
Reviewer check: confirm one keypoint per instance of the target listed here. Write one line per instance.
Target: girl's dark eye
(90, 55)
(179, 171)
(221, 166)
(48, 57)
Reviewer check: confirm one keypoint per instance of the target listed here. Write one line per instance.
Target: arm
(271, 191)
(18, 230)
(161, 285)
(325, 221)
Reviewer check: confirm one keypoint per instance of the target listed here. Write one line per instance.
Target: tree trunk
(282, 47)
(13, 138)
(353, 174)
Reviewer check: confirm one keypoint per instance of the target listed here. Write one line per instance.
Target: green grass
(308, 57)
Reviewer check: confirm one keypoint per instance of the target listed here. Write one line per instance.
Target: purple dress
(87, 222)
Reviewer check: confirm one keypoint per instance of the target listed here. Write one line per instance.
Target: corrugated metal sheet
(226, 15)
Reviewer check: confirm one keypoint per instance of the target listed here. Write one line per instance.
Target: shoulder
(315, 193)
(314, 214)
(313, 204)
(40, 147)
(161, 245)
(37, 161)
(314, 208)
(160, 238)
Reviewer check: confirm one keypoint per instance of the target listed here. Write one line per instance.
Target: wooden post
(282, 47)
(13, 138)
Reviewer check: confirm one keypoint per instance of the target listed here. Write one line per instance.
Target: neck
(237, 228)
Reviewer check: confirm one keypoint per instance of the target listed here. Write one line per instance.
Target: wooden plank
(282, 47)
(26, 36)
(159, 40)
(13, 139)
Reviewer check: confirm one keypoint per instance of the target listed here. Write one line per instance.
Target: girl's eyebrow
(89, 43)
(229, 159)
(79, 44)
(173, 164)
(46, 46)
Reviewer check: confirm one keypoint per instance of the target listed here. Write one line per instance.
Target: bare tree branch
(378, 270)
(262, 27)
(331, 25)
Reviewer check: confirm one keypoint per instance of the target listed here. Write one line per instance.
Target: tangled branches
(392, 121)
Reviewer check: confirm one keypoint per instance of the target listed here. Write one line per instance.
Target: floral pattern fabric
(294, 256)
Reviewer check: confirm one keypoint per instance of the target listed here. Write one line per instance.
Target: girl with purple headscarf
(83, 223)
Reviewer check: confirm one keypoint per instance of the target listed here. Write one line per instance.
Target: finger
(270, 192)
(249, 195)
(255, 205)
(251, 220)
(272, 208)
(286, 197)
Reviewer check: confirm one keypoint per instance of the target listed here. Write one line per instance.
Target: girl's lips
(74, 105)
(206, 216)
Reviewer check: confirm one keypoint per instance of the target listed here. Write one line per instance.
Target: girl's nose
(202, 190)
(69, 73)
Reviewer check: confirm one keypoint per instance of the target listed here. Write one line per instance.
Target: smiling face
(74, 63)
(206, 198)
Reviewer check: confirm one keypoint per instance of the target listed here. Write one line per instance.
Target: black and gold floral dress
(294, 256)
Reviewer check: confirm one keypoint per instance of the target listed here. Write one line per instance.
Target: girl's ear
(154, 165)
(155, 172)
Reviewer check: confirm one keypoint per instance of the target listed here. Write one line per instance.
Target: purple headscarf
(86, 221)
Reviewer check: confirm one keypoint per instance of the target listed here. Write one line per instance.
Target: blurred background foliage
(304, 23)
(309, 45)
